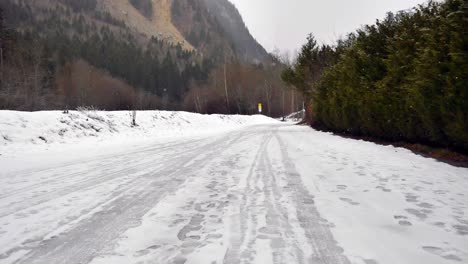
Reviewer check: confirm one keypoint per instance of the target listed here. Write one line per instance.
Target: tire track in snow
(286, 242)
(278, 221)
(325, 248)
(86, 173)
(79, 168)
(244, 220)
(90, 236)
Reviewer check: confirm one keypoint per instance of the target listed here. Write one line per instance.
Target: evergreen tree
(403, 78)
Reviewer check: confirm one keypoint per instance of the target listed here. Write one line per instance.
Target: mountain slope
(159, 26)
(213, 28)
(217, 22)
(216, 29)
(246, 47)
(159, 50)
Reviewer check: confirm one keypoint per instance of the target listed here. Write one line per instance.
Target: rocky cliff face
(211, 28)
(155, 23)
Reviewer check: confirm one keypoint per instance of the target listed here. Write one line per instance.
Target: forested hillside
(64, 54)
(403, 78)
(231, 23)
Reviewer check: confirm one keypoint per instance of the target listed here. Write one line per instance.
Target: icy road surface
(265, 194)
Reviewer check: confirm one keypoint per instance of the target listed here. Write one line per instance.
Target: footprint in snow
(146, 251)
(462, 230)
(347, 200)
(411, 198)
(405, 223)
(370, 261)
(176, 222)
(444, 253)
(439, 224)
(426, 205)
(426, 182)
(193, 225)
(341, 187)
(440, 192)
(383, 189)
(419, 214)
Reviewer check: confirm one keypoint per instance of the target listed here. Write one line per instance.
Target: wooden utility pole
(293, 104)
(282, 103)
(1, 56)
(268, 96)
(3, 37)
(1, 61)
(225, 86)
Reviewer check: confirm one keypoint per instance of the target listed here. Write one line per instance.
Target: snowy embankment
(295, 117)
(22, 132)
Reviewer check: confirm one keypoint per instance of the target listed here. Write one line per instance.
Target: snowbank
(295, 117)
(30, 131)
(384, 204)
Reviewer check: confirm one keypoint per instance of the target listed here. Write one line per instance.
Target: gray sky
(285, 24)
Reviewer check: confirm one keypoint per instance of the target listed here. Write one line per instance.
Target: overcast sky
(285, 24)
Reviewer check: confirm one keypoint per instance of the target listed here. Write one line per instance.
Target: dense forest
(73, 54)
(405, 78)
(52, 45)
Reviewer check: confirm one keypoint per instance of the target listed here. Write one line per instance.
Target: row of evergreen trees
(403, 78)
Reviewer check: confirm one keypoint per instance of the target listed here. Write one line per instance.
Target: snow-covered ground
(384, 204)
(228, 190)
(26, 136)
(43, 130)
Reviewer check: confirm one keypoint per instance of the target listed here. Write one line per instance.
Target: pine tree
(403, 78)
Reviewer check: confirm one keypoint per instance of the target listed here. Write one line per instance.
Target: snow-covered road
(274, 193)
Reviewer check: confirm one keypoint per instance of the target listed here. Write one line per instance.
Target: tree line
(64, 56)
(403, 78)
(50, 45)
(236, 88)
